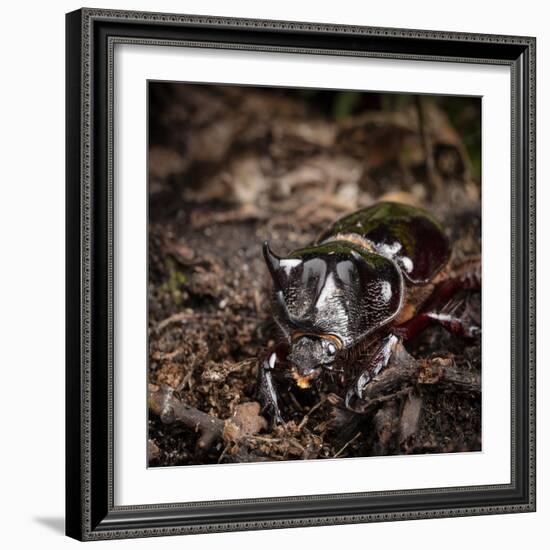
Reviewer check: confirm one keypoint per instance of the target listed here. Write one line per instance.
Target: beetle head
(309, 355)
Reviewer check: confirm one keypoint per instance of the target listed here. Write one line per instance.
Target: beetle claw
(355, 393)
(350, 394)
(273, 413)
(362, 381)
(278, 420)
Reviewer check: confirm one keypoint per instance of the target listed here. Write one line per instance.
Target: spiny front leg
(267, 389)
(377, 361)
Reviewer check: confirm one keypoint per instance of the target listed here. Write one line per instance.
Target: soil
(233, 166)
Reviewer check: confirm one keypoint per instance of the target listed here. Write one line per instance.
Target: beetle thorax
(335, 289)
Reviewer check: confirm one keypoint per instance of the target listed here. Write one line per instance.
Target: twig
(405, 373)
(247, 212)
(375, 402)
(297, 444)
(176, 318)
(189, 315)
(169, 409)
(266, 439)
(224, 452)
(311, 411)
(346, 445)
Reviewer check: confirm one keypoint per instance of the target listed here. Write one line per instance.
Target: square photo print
(314, 274)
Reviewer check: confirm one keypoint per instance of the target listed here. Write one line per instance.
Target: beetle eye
(331, 350)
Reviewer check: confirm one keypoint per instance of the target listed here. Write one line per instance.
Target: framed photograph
(300, 274)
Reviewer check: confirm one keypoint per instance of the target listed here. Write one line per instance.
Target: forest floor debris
(231, 167)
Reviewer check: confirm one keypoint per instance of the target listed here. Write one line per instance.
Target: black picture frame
(90, 512)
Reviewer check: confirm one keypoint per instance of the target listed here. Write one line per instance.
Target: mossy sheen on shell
(410, 235)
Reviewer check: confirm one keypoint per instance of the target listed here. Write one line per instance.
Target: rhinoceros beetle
(375, 277)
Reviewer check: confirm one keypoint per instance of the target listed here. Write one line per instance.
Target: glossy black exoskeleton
(374, 277)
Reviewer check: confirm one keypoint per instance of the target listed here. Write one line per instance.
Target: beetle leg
(375, 363)
(443, 309)
(449, 317)
(267, 389)
(455, 325)
(455, 321)
(466, 277)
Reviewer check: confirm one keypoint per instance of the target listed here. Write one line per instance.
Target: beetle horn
(279, 267)
(273, 263)
(271, 259)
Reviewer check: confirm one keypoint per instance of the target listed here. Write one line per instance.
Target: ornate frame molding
(91, 36)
